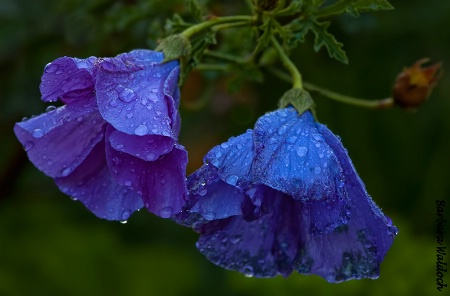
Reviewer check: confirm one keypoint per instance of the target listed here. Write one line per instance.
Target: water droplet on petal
(232, 179)
(129, 115)
(317, 170)
(50, 108)
(273, 141)
(119, 147)
(141, 130)
(235, 239)
(80, 118)
(144, 101)
(37, 133)
(301, 151)
(50, 68)
(66, 172)
(127, 95)
(151, 156)
(248, 271)
(291, 140)
(209, 216)
(125, 215)
(224, 145)
(127, 183)
(316, 137)
(123, 221)
(28, 145)
(165, 212)
(282, 130)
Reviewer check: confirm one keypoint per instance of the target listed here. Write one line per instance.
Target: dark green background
(50, 245)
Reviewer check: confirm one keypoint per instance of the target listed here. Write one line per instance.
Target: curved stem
(191, 31)
(295, 74)
(371, 104)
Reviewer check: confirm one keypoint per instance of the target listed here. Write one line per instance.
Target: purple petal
(135, 93)
(93, 185)
(357, 249)
(212, 198)
(58, 141)
(146, 148)
(68, 79)
(233, 159)
(160, 183)
(263, 248)
(292, 156)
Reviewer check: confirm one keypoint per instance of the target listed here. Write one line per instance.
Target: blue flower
(113, 144)
(283, 197)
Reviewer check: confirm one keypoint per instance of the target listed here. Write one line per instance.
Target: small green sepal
(175, 47)
(299, 99)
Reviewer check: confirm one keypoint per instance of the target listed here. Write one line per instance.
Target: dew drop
(317, 170)
(235, 239)
(144, 101)
(248, 271)
(50, 68)
(129, 115)
(301, 151)
(127, 183)
(224, 145)
(151, 156)
(141, 130)
(232, 179)
(28, 145)
(165, 212)
(120, 147)
(66, 172)
(273, 141)
(123, 222)
(127, 95)
(80, 118)
(50, 109)
(291, 140)
(209, 216)
(113, 103)
(282, 130)
(37, 133)
(125, 215)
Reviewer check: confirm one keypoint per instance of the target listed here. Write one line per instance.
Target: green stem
(371, 104)
(295, 74)
(337, 8)
(191, 31)
(225, 57)
(212, 67)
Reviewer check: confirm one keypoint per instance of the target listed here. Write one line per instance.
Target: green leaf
(324, 38)
(195, 9)
(368, 5)
(353, 7)
(264, 40)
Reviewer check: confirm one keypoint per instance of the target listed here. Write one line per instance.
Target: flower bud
(414, 84)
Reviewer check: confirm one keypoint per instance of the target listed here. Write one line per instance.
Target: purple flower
(286, 197)
(113, 144)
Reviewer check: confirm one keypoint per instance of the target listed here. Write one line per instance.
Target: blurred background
(51, 245)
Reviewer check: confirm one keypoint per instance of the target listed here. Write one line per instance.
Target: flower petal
(357, 249)
(135, 93)
(67, 79)
(160, 183)
(93, 185)
(233, 159)
(291, 156)
(58, 141)
(146, 147)
(264, 247)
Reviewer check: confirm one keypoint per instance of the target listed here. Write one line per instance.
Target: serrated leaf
(297, 31)
(353, 7)
(324, 38)
(264, 40)
(195, 9)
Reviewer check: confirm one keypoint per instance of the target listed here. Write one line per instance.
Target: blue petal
(58, 141)
(160, 183)
(292, 156)
(210, 197)
(233, 160)
(262, 248)
(68, 79)
(138, 95)
(92, 184)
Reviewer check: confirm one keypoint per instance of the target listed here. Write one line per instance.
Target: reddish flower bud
(414, 85)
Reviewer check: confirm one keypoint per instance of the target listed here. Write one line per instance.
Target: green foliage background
(50, 245)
